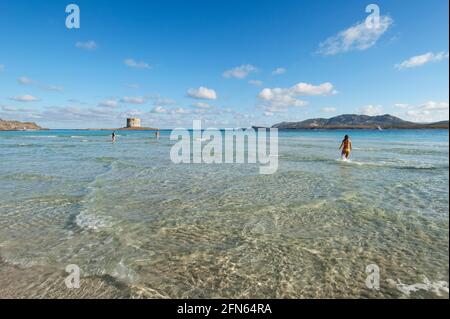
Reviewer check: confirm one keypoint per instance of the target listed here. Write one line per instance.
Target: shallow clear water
(138, 225)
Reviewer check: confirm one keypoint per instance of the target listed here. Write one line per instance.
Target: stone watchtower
(133, 122)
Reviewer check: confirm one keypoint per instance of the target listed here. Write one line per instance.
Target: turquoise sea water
(132, 219)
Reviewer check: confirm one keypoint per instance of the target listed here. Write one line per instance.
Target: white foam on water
(436, 287)
(404, 165)
(124, 273)
(96, 223)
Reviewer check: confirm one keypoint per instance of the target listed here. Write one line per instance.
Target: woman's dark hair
(345, 137)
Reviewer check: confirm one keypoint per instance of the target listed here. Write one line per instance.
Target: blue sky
(229, 63)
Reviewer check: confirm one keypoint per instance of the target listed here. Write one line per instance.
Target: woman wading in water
(346, 146)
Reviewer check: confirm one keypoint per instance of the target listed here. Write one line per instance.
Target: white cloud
(266, 113)
(181, 110)
(138, 65)
(419, 60)
(83, 117)
(133, 100)
(371, 110)
(8, 108)
(435, 106)
(402, 105)
(279, 71)
(328, 109)
(256, 82)
(159, 109)
(178, 111)
(88, 45)
(358, 37)
(203, 105)
(430, 111)
(202, 93)
(109, 103)
(280, 99)
(27, 81)
(24, 98)
(77, 101)
(163, 101)
(240, 72)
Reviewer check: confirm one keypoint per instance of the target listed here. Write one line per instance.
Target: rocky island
(354, 121)
(19, 126)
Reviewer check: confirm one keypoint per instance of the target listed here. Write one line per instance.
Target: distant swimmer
(113, 136)
(157, 134)
(346, 146)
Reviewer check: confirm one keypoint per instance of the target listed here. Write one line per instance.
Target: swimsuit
(346, 148)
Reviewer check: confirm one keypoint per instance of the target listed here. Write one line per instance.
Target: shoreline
(255, 128)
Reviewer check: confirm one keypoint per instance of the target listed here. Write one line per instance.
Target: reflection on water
(140, 226)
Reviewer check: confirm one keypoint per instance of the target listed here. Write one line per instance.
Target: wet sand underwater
(140, 226)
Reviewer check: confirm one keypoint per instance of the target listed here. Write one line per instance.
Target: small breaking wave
(418, 166)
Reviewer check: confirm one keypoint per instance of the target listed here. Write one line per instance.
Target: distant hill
(18, 126)
(354, 121)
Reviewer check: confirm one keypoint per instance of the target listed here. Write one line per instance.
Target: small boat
(379, 128)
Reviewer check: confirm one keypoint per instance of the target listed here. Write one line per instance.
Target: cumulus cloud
(358, 37)
(435, 106)
(88, 45)
(27, 81)
(24, 98)
(133, 100)
(202, 93)
(240, 72)
(138, 65)
(279, 99)
(109, 103)
(328, 109)
(420, 60)
(279, 71)
(371, 110)
(430, 111)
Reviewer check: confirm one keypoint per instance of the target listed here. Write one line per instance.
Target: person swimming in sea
(346, 147)
(113, 136)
